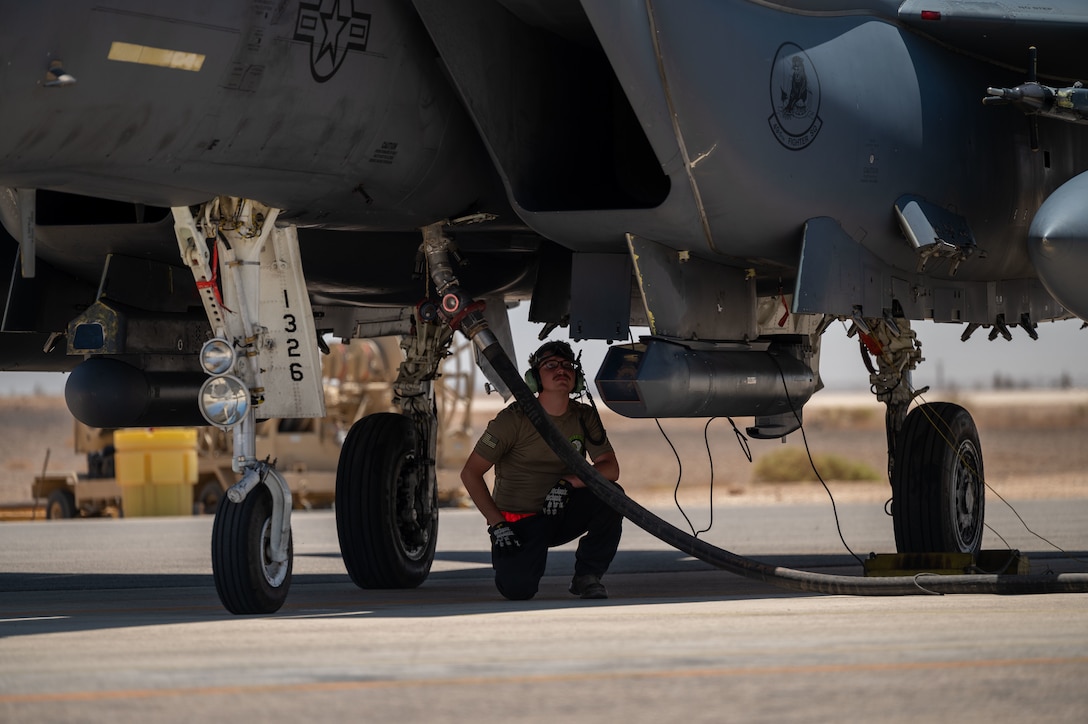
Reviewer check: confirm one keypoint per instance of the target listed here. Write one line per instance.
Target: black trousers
(518, 573)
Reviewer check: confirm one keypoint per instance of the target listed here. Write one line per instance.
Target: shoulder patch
(490, 440)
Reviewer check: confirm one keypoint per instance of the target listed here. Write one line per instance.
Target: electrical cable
(680, 471)
(710, 459)
(834, 507)
(741, 439)
(812, 463)
(1041, 537)
(743, 442)
(612, 495)
(679, 477)
(592, 403)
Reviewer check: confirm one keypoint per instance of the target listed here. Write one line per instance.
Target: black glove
(555, 502)
(503, 538)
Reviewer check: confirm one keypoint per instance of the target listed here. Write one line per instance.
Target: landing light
(224, 400)
(217, 356)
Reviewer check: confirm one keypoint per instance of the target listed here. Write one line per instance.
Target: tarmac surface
(118, 620)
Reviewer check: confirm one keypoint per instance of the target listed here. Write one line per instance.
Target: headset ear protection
(532, 380)
(556, 348)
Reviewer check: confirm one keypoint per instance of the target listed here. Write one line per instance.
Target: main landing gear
(934, 456)
(386, 491)
(938, 493)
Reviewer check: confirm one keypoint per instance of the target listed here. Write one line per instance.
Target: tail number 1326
(289, 326)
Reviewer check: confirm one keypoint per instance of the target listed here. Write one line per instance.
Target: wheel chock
(1001, 562)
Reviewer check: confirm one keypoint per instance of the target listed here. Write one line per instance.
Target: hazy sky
(1062, 348)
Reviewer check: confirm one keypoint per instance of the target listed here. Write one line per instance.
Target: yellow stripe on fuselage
(162, 57)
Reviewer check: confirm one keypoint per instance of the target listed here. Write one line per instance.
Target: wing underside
(1002, 32)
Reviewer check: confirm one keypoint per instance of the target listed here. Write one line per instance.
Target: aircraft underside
(193, 199)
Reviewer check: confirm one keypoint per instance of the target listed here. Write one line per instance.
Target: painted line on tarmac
(21, 619)
(333, 686)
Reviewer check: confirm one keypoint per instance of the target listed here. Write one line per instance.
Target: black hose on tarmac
(788, 578)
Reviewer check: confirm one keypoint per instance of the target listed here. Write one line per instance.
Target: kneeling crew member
(538, 502)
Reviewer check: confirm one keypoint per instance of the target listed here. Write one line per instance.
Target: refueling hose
(788, 578)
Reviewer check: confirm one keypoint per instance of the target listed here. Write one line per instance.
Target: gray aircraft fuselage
(714, 128)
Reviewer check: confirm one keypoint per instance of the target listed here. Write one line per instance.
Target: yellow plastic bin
(156, 469)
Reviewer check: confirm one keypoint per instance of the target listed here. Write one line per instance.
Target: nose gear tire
(247, 580)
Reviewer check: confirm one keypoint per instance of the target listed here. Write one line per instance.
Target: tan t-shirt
(525, 467)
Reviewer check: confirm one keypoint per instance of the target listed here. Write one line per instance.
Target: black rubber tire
(247, 581)
(386, 540)
(938, 485)
(61, 504)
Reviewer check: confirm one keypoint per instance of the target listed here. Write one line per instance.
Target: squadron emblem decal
(332, 27)
(795, 98)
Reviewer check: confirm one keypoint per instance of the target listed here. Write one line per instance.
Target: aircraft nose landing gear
(263, 356)
(248, 577)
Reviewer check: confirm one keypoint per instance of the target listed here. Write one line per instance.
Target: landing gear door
(289, 357)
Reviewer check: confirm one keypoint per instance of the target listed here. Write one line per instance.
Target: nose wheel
(247, 577)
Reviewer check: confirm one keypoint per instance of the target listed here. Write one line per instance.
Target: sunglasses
(553, 364)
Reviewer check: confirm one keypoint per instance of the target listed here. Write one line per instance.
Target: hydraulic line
(788, 578)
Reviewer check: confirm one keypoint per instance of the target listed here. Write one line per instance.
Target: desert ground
(1035, 444)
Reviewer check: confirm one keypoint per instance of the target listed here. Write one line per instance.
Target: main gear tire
(938, 487)
(247, 580)
(386, 504)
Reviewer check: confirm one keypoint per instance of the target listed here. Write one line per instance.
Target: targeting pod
(661, 378)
